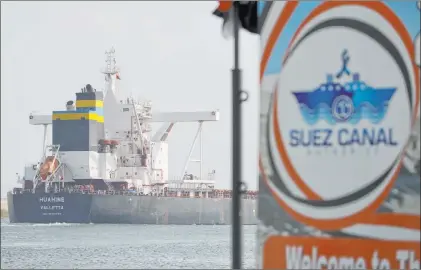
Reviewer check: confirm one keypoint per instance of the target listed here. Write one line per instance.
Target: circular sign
(341, 113)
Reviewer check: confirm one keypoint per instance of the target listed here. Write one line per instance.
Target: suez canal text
(57, 201)
(341, 137)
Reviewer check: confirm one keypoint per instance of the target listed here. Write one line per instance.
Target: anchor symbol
(342, 108)
(345, 61)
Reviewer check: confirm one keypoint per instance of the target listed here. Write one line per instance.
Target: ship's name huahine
(52, 199)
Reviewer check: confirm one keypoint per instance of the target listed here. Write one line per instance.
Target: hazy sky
(169, 52)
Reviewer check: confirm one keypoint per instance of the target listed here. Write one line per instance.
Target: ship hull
(49, 207)
(124, 209)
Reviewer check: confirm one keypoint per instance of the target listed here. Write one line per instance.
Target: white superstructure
(120, 148)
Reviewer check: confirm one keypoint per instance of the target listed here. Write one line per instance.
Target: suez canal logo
(348, 83)
(345, 104)
(367, 103)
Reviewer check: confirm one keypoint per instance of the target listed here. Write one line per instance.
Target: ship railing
(14, 191)
(21, 191)
(137, 193)
(178, 179)
(172, 189)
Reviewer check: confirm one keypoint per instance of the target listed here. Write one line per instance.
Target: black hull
(49, 208)
(123, 209)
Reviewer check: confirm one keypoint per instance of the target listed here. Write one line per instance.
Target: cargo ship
(104, 165)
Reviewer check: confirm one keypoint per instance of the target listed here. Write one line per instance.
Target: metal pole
(44, 152)
(201, 155)
(236, 149)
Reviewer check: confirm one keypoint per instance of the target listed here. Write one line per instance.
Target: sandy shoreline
(4, 211)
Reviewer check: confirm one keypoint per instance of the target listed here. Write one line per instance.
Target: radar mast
(111, 70)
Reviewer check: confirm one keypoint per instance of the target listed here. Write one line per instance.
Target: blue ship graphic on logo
(349, 102)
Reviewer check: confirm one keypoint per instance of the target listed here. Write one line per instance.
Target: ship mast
(111, 71)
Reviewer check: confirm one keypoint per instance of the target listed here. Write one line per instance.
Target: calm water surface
(56, 246)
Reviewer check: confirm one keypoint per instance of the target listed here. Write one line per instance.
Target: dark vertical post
(236, 149)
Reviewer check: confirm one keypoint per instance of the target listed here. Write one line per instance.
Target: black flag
(247, 13)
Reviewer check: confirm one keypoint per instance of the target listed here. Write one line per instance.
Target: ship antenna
(110, 70)
(110, 67)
